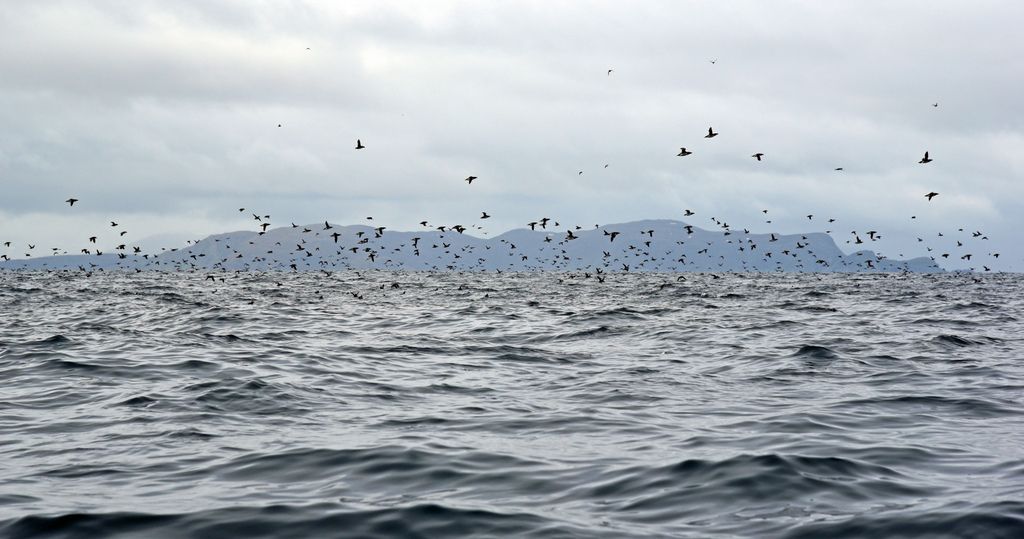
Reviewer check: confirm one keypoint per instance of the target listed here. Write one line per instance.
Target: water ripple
(512, 405)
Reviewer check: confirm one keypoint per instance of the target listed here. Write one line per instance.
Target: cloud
(169, 110)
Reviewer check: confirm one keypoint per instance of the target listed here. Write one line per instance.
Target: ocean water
(382, 404)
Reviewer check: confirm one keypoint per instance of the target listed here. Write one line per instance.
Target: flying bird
(925, 159)
(71, 201)
(483, 215)
(470, 179)
(931, 195)
(711, 133)
(757, 156)
(683, 152)
(359, 144)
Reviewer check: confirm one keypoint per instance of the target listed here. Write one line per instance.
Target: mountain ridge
(650, 245)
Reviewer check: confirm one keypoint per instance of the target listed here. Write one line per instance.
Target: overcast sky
(163, 116)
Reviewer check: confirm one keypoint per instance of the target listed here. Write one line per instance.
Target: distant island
(639, 246)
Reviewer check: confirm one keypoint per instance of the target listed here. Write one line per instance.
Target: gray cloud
(168, 113)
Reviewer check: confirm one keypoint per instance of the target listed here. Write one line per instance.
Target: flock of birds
(552, 254)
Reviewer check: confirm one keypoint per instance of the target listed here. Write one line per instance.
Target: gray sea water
(382, 404)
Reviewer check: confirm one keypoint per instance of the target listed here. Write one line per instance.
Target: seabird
(711, 133)
(683, 152)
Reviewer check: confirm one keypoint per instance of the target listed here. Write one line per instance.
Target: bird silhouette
(931, 195)
(683, 152)
(925, 159)
(359, 144)
(71, 201)
(470, 179)
(711, 133)
(757, 156)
